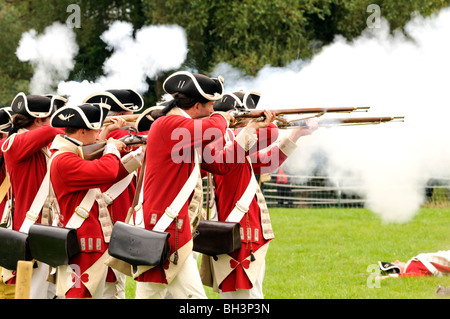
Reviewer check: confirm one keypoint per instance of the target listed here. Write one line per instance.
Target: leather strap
(243, 204)
(136, 205)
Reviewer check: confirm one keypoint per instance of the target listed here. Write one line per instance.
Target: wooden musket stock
(129, 118)
(95, 151)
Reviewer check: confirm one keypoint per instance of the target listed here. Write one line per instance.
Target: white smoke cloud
(152, 50)
(395, 74)
(51, 54)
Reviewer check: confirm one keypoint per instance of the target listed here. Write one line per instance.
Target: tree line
(245, 34)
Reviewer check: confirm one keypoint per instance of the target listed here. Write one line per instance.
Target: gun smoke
(396, 74)
(51, 54)
(152, 50)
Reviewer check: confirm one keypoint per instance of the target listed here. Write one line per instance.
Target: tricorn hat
(5, 120)
(119, 100)
(57, 101)
(388, 268)
(197, 86)
(237, 100)
(146, 119)
(88, 116)
(38, 106)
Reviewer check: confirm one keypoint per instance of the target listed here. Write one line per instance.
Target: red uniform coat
(171, 137)
(228, 190)
(423, 264)
(119, 208)
(219, 157)
(72, 177)
(2, 177)
(416, 269)
(27, 166)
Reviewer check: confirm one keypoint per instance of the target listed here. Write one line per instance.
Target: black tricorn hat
(388, 268)
(197, 86)
(57, 101)
(5, 119)
(38, 106)
(146, 119)
(88, 116)
(237, 100)
(119, 100)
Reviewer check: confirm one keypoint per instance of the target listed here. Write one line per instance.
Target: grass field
(330, 253)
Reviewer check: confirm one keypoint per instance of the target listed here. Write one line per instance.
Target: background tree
(19, 16)
(246, 34)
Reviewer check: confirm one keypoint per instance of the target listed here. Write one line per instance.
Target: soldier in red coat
(6, 291)
(26, 154)
(5, 127)
(78, 186)
(173, 145)
(423, 265)
(120, 196)
(240, 274)
(122, 102)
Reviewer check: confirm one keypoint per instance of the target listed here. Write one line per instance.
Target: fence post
(23, 279)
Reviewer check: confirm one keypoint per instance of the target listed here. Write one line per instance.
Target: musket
(242, 114)
(129, 118)
(95, 151)
(344, 121)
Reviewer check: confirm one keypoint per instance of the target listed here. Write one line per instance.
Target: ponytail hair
(179, 100)
(21, 121)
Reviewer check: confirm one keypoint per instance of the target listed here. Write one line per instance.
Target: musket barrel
(350, 120)
(355, 120)
(257, 113)
(94, 151)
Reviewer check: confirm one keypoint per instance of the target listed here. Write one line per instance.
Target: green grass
(326, 254)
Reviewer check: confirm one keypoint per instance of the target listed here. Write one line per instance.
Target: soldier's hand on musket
(116, 123)
(308, 129)
(268, 118)
(230, 118)
(119, 144)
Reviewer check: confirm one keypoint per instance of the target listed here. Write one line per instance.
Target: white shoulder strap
(423, 259)
(35, 209)
(115, 190)
(38, 202)
(243, 204)
(4, 187)
(172, 211)
(82, 211)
